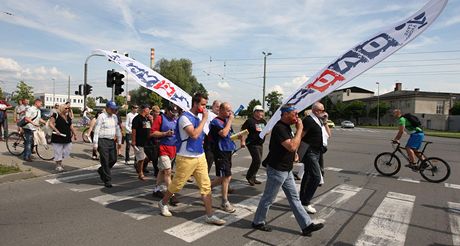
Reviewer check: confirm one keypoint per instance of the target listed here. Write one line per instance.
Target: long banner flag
(150, 79)
(360, 58)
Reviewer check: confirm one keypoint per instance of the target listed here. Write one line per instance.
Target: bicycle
(432, 169)
(15, 144)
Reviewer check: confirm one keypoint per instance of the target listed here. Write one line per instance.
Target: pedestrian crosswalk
(387, 223)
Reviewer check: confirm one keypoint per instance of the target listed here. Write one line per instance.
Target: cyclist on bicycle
(415, 140)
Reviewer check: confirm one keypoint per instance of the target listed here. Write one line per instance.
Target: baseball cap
(258, 108)
(111, 105)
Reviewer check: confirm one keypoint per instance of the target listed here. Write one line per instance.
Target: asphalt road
(357, 206)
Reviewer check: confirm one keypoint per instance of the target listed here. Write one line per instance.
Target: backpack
(413, 120)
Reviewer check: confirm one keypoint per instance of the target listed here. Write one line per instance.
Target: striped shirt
(106, 127)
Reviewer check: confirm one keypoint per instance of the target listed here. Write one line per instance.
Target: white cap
(258, 107)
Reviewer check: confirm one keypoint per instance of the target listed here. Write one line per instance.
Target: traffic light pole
(85, 78)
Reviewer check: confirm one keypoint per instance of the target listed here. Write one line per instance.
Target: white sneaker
(214, 220)
(59, 169)
(310, 209)
(228, 207)
(164, 209)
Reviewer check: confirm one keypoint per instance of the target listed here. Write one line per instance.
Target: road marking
(409, 180)
(454, 215)
(389, 223)
(195, 229)
(335, 169)
(89, 187)
(78, 177)
(453, 186)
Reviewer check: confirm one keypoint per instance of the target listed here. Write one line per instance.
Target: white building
(48, 102)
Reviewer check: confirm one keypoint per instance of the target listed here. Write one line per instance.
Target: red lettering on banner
(327, 78)
(165, 86)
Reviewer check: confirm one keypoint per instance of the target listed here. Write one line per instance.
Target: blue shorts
(415, 140)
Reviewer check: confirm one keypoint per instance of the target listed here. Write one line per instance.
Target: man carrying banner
(190, 158)
(223, 147)
(315, 135)
(254, 143)
(280, 159)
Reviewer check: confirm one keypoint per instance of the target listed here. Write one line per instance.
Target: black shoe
(296, 177)
(108, 185)
(262, 227)
(257, 182)
(146, 171)
(158, 194)
(251, 182)
(173, 201)
(311, 228)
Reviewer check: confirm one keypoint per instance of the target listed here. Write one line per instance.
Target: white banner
(360, 58)
(150, 79)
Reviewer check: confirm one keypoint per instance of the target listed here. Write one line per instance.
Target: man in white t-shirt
(190, 159)
(33, 119)
(128, 130)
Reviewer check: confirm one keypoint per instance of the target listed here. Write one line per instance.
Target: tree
(382, 108)
(180, 73)
(23, 91)
(120, 100)
(355, 109)
(250, 108)
(144, 96)
(455, 110)
(91, 102)
(274, 100)
(1, 94)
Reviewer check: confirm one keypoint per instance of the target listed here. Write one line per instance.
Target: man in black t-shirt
(140, 132)
(280, 159)
(254, 143)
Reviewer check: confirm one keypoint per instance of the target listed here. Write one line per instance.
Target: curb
(16, 176)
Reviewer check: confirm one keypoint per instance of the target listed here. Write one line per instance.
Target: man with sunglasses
(315, 135)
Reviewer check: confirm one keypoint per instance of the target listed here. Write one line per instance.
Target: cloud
(9, 65)
(214, 95)
(223, 85)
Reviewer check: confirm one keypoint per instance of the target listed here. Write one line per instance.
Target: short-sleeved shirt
(21, 111)
(34, 114)
(184, 122)
(408, 126)
(254, 128)
(142, 125)
(279, 157)
(164, 149)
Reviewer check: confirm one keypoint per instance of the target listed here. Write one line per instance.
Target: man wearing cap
(254, 143)
(280, 159)
(106, 132)
(128, 130)
(140, 133)
(163, 129)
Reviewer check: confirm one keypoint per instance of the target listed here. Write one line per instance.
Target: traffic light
(88, 89)
(79, 92)
(110, 78)
(118, 83)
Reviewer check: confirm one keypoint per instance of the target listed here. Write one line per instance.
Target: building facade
(48, 102)
(349, 94)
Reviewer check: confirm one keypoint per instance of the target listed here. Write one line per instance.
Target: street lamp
(265, 70)
(54, 90)
(378, 103)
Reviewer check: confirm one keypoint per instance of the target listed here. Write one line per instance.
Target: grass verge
(7, 169)
(434, 133)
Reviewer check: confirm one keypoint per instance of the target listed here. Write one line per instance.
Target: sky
(46, 40)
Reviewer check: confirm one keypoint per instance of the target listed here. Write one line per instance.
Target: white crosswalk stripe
(454, 216)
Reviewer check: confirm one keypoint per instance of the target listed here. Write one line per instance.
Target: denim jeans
(4, 125)
(276, 180)
(127, 146)
(29, 143)
(312, 176)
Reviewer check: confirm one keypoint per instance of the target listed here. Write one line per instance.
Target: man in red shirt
(163, 129)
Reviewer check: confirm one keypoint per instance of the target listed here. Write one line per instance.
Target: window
(440, 108)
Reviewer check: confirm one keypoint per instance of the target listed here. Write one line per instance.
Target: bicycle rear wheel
(45, 151)
(15, 143)
(387, 164)
(434, 169)
(86, 138)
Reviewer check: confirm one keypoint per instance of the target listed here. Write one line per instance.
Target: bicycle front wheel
(45, 151)
(84, 136)
(434, 169)
(387, 164)
(15, 143)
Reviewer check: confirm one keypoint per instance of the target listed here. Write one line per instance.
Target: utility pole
(54, 91)
(378, 103)
(68, 90)
(85, 77)
(265, 70)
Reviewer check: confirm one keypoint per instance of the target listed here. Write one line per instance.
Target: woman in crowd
(61, 139)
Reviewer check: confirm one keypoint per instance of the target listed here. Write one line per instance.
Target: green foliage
(23, 91)
(120, 100)
(2, 97)
(144, 96)
(250, 108)
(91, 102)
(455, 110)
(274, 100)
(355, 109)
(383, 109)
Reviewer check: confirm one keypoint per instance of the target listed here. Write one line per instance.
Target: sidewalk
(80, 157)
